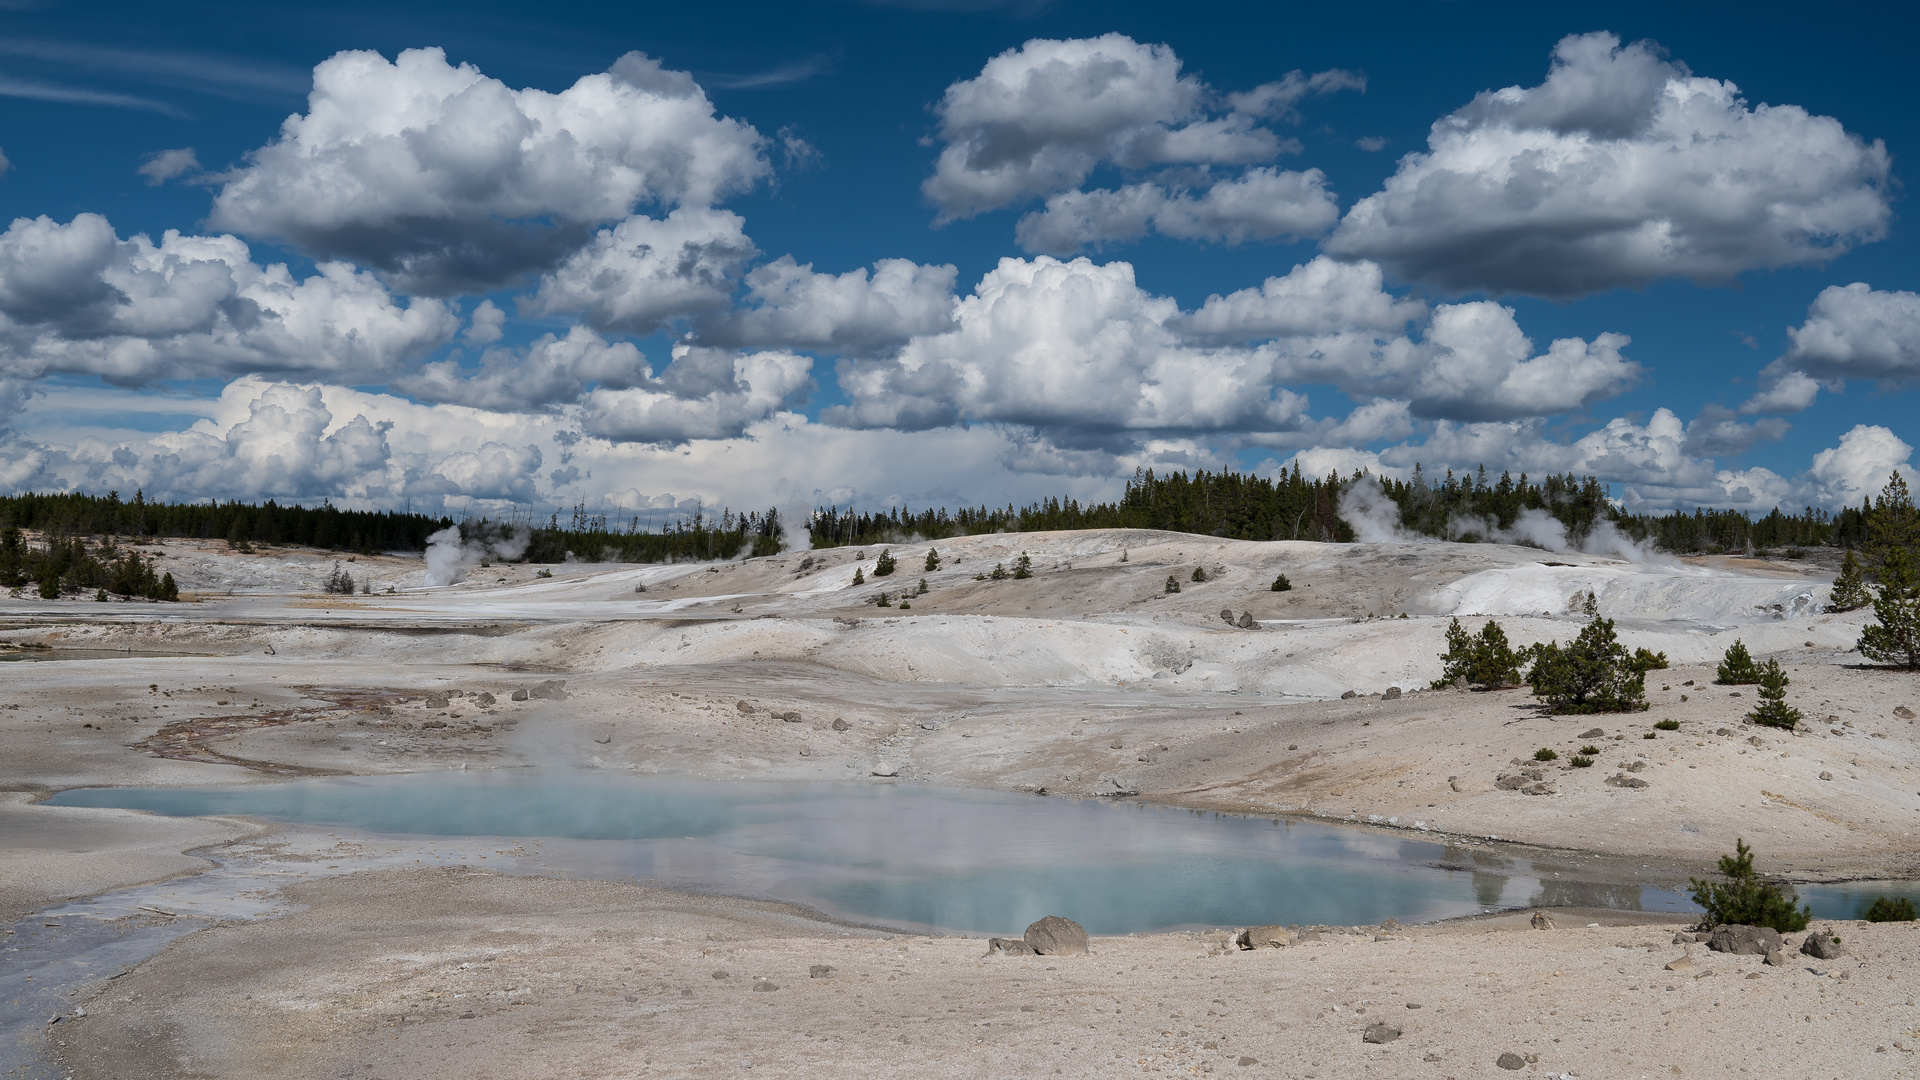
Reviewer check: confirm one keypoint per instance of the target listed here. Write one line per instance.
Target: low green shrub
(1667, 725)
(1281, 584)
(1745, 899)
(1580, 762)
(1889, 909)
(1544, 754)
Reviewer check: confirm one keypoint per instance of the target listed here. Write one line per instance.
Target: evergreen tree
(1593, 673)
(1773, 710)
(1893, 524)
(1850, 588)
(933, 560)
(1199, 573)
(1738, 669)
(859, 578)
(1173, 584)
(1486, 661)
(1894, 635)
(1281, 584)
(883, 565)
(1023, 566)
(1744, 899)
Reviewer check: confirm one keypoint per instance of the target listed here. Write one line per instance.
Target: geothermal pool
(935, 858)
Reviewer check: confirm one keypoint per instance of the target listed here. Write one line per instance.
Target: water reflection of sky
(968, 861)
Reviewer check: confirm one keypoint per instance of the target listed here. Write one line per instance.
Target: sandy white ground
(1021, 685)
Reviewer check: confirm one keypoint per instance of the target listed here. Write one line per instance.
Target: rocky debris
(1744, 940)
(519, 695)
(436, 701)
(1510, 1061)
(1226, 615)
(1009, 947)
(1903, 712)
(1247, 621)
(1380, 1033)
(1263, 937)
(552, 689)
(434, 724)
(1305, 935)
(1245, 1060)
(720, 974)
(1542, 921)
(1682, 938)
(1822, 946)
(1826, 776)
(1393, 693)
(1776, 958)
(819, 971)
(1638, 766)
(1057, 936)
(1625, 781)
(1114, 745)
(1756, 740)
(744, 707)
(1594, 733)
(764, 986)
(485, 700)
(1513, 782)
(885, 768)
(840, 725)
(789, 716)
(1684, 963)
(1349, 695)
(1723, 731)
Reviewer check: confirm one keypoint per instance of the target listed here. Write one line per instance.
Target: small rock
(764, 986)
(554, 689)
(885, 768)
(434, 724)
(1542, 921)
(819, 971)
(1510, 1060)
(789, 716)
(1513, 782)
(268, 650)
(1822, 947)
(1723, 731)
(1306, 935)
(1247, 621)
(1392, 693)
(1380, 1033)
(1114, 745)
(1245, 1060)
(806, 752)
(1009, 947)
(1349, 694)
(1684, 963)
(1226, 616)
(1625, 781)
(1683, 938)
(719, 974)
(744, 707)
(840, 725)
(436, 701)
(519, 695)
(1638, 766)
(1594, 733)
(1755, 740)
(1263, 937)
(1903, 712)
(1776, 958)
(1057, 936)
(485, 699)
(1744, 940)
(1826, 776)
(1293, 746)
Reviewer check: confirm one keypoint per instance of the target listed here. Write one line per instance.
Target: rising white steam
(449, 552)
(1373, 515)
(1537, 528)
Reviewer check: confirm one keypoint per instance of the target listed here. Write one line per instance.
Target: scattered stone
(519, 695)
(1540, 788)
(485, 699)
(1510, 1060)
(1009, 947)
(1226, 616)
(1682, 938)
(1349, 695)
(840, 725)
(1247, 621)
(764, 986)
(719, 974)
(1625, 781)
(806, 752)
(1263, 937)
(1684, 963)
(1776, 958)
(1114, 745)
(1744, 940)
(1293, 746)
(554, 689)
(789, 716)
(1755, 740)
(1638, 766)
(1826, 776)
(1594, 733)
(1822, 947)
(1392, 693)
(268, 650)
(1542, 921)
(819, 971)
(436, 701)
(434, 724)
(885, 768)
(1903, 712)
(1245, 1060)
(1513, 782)
(1380, 1033)
(1723, 731)
(1057, 936)
(1306, 935)
(744, 707)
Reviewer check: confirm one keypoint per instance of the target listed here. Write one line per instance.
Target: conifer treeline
(1292, 506)
(323, 526)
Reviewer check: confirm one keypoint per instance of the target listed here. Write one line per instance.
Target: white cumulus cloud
(789, 305)
(1260, 204)
(704, 393)
(449, 180)
(643, 273)
(1857, 332)
(1621, 169)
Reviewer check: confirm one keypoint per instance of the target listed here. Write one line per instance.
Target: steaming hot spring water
(972, 862)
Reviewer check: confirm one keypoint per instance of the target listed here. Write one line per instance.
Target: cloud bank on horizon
(435, 289)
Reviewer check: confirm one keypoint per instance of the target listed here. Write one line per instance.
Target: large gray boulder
(1744, 940)
(1056, 936)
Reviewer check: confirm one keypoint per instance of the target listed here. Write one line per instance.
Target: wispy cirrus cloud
(35, 90)
(223, 76)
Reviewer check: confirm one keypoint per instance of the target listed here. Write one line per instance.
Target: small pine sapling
(1889, 909)
(1023, 567)
(1486, 660)
(922, 591)
(1281, 584)
(1592, 673)
(100, 597)
(1894, 635)
(999, 573)
(883, 565)
(1173, 584)
(1850, 588)
(882, 601)
(1744, 899)
(933, 560)
(1773, 710)
(1199, 573)
(1738, 669)
(858, 577)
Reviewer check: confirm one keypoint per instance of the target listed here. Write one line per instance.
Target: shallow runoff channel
(937, 859)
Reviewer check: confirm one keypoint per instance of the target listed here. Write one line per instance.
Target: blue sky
(1677, 237)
